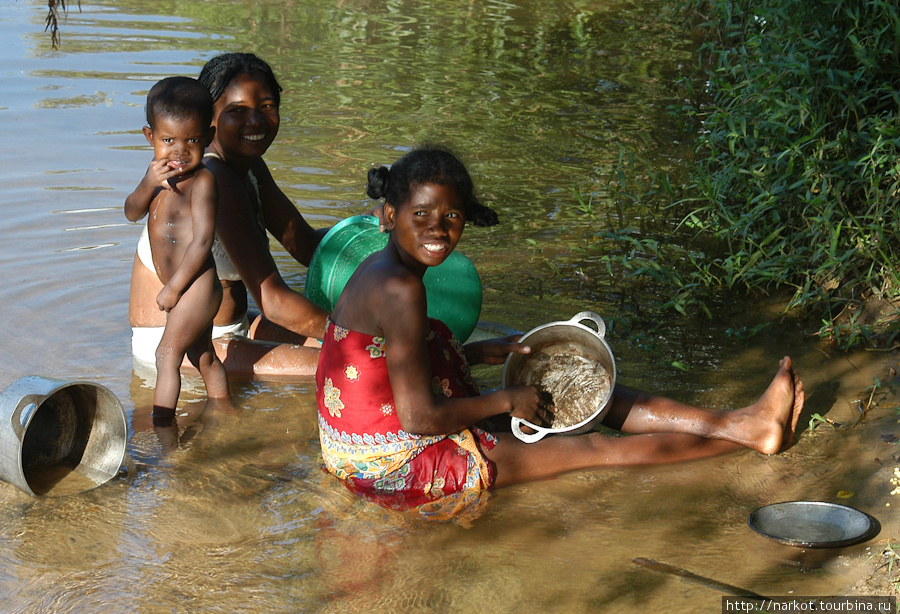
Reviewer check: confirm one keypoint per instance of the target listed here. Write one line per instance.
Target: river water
(235, 514)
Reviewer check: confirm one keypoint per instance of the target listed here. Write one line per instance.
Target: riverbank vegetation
(795, 182)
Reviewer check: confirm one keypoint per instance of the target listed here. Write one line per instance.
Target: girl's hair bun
(428, 164)
(378, 178)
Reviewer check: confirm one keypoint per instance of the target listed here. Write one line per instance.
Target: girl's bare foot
(769, 424)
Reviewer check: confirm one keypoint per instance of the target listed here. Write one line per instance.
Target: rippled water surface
(232, 513)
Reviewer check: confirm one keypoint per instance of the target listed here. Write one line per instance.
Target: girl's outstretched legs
(665, 431)
(759, 426)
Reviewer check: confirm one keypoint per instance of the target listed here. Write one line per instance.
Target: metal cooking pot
(574, 338)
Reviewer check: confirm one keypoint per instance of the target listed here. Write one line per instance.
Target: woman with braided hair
(281, 340)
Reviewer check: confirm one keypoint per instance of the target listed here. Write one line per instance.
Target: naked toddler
(180, 195)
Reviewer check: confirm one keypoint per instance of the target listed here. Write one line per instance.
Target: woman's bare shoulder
(223, 173)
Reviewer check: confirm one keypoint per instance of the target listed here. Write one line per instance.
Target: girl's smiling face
(246, 117)
(427, 227)
(180, 142)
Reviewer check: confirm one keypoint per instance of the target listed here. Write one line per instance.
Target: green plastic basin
(453, 288)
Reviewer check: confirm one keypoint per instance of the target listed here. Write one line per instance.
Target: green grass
(795, 182)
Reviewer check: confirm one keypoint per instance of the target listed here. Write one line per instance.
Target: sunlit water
(232, 513)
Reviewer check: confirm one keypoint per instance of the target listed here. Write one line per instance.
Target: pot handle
(593, 317)
(539, 433)
(16, 418)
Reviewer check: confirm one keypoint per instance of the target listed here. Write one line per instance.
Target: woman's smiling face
(246, 117)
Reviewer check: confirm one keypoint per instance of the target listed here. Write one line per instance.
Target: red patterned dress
(364, 445)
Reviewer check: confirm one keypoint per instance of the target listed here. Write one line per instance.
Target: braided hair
(219, 72)
(428, 164)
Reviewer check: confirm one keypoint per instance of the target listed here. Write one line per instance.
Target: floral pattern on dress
(340, 332)
(436, 487)
(363, 442)
(333, 399)
(393, 484)
(376, 348)
(441, 387)
(457, 345)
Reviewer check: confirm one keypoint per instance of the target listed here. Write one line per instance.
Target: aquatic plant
(796, 178)
(817, 419)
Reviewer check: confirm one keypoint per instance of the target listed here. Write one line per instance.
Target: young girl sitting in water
(397, 405)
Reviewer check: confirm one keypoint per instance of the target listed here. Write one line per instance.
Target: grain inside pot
(577, 384)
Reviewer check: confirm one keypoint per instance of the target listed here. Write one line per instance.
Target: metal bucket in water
(60, 437)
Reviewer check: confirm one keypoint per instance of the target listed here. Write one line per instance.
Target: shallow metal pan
(813, 524)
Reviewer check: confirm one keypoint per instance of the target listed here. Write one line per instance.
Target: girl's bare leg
(188, 330)
(516, 461)
(667, 432)
(168, 376)
(759, 426)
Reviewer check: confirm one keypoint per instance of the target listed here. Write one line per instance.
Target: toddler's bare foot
(226, 406)
(769, 424)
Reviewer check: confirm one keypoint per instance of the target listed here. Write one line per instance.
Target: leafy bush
(797, 172)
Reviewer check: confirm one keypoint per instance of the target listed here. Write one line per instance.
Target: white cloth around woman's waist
(145, 339)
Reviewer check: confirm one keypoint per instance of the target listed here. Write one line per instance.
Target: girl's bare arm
(494, 351)
(138, 202)
(402, 316)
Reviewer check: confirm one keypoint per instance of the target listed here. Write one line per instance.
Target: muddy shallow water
(232, 513)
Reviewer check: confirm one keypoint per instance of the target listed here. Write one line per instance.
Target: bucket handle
(593, 317)
(16, 418)
(539, 433)
(129, 468)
